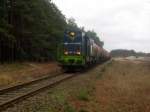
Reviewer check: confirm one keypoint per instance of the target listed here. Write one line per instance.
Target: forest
(127, 53)
(30, 30)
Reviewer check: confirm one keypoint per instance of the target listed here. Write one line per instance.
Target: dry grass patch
(11, 74)
(124, 87)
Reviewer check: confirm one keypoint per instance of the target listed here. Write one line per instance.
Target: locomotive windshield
(72, 43)
(72, 48)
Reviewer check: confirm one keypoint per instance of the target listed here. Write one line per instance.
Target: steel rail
(10, 97)
(18, 86)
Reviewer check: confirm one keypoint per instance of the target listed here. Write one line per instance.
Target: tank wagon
(78, 50)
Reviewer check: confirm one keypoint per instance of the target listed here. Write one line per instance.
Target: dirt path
(124, 87)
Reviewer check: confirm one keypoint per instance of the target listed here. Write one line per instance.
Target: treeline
(127, 53)
(90, 33)
(30, 30)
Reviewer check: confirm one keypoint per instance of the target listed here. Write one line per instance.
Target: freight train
(80, 51)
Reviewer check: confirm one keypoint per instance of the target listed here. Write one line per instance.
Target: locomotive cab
(73, 49)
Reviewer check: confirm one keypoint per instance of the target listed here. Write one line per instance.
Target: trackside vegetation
(31, 30)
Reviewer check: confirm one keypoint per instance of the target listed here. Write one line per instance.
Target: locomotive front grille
(79, 61)
(71, 61)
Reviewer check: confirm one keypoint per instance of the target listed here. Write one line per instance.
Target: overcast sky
(121, 24)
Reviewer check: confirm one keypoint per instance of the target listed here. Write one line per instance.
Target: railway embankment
(13, 74)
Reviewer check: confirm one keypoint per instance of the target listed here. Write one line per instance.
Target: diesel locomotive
(78, 50)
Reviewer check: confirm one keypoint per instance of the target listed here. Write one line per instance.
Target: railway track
(13, 95)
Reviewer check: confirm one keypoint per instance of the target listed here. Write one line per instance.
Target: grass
(59, 98)
(12, 67)
(60, 102)
(69, 108)
(83, 95)
(11, 74)
(103, 69)
(5, 80)
(124, 87)
(83, 110)
(101, 72)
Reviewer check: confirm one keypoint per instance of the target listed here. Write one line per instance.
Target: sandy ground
(11, 74)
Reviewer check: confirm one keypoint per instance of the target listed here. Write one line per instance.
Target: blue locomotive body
(79, 50)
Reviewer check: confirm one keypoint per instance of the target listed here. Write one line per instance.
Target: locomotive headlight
(66, 52)
(72, 34)
(78, 52)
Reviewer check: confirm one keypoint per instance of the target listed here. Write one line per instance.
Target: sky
(121, 24)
